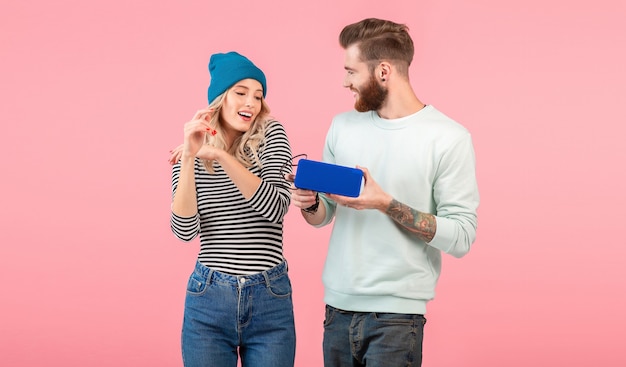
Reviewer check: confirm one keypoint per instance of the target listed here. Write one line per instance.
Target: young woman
(229, 189)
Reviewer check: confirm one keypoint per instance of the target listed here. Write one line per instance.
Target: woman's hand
(206, 152)
(176, 154)
(194, 137)
(195, 132)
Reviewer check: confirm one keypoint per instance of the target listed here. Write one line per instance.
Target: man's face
(370, 95)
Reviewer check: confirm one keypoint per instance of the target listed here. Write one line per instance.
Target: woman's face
(241, 105)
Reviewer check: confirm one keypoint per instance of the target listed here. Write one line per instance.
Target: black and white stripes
(239, 236)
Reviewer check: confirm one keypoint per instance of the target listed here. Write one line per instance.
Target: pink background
(95, 93)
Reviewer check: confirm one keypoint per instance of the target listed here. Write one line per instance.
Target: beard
(371, 97)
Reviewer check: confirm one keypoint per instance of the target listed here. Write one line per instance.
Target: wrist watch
(313, 208)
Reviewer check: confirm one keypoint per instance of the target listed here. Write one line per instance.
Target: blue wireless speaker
(328, 178)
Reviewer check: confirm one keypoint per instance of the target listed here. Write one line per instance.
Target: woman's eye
(258, 98)
(240, 94)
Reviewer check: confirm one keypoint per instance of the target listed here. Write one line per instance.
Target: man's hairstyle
(378, 40)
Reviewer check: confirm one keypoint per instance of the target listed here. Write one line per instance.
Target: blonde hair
(245, 148)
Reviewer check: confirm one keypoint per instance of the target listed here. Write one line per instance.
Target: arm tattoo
(424, 225)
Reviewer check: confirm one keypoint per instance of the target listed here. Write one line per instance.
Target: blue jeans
(227, 316)
(372, 339)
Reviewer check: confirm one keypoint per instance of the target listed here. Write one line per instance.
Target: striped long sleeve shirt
(239, 236)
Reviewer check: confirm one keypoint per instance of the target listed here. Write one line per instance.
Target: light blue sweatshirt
(425, 161)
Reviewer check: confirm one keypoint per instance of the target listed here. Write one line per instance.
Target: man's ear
(383, 70)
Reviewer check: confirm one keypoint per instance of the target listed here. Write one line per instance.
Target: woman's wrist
(219, 155)
(187, 161)
(185, 157)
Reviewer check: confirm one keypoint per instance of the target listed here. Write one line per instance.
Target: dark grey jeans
(372, 339)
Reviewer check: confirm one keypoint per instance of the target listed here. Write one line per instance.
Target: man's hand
(372, 196)
(299, 197)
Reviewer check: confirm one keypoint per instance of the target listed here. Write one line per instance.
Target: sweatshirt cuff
(444, 236)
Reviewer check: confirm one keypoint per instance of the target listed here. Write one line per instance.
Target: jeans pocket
(196, 285)
(280, 287)
(397, 318)
(329, 315)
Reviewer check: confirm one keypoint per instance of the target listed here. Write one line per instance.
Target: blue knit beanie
(229, 68)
